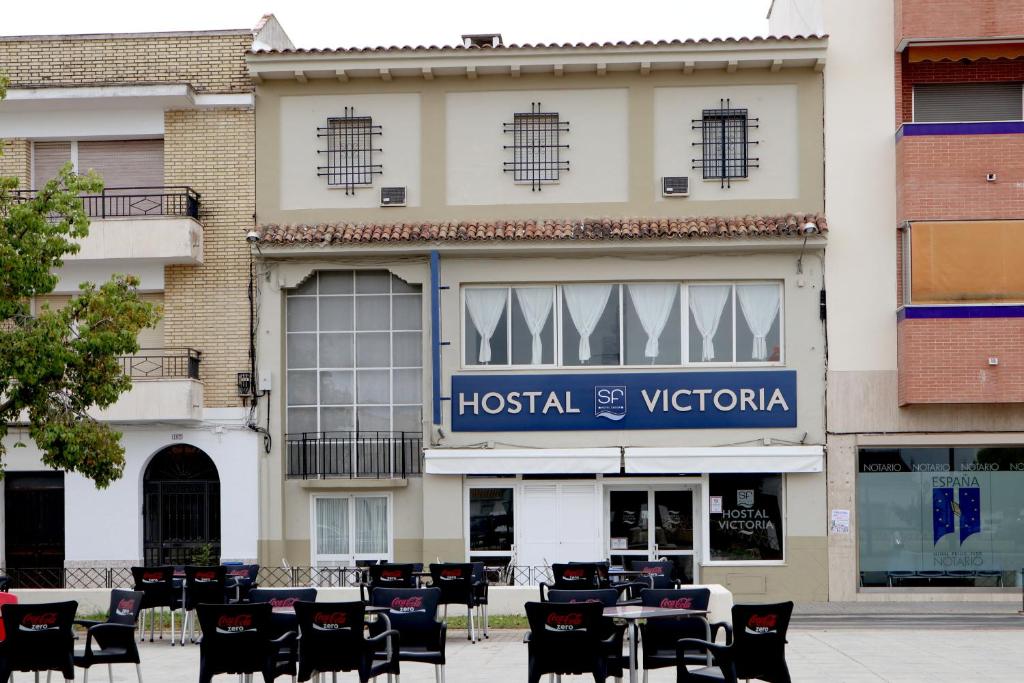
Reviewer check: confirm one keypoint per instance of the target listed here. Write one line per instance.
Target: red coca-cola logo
(39, 622)
(205, 576)
(329, 620)
(238, 572)
(655, 571)
(573, 574)
(676, 603)
(758, 623)
(283, 602)
(410, 604)
(451, 573)
(234, 623)
(125, 607)
(567, 619)
(150, 577)
(391, 575)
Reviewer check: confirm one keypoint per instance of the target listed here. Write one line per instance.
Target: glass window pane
(406, 313)
(408, 386)
(336, 282)
(371, 525)
(373, 349)
(337, 419)
(373, 282)
(301, 351)
(335, 313)
(372, 313)
(332, 526)
(533, 311)
(673, 520)
(595, 308)
(373, 386)
(301, 420)
(758, 323)
(750, 524)
(652, 310)
(408, 349)
(308, 286)
(486, 308)
(408, 419)
(302, 388)
(301, 314)
(490, 519)
(376, 419)
(627, 520)
(710, 317)
(336, 350)
(336, 387)
(400, 286)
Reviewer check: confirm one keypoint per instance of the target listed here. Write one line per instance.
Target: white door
(579, 524)
(538, 531)
(560, 523)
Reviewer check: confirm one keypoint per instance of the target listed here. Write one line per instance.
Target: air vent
(392, 196)
(675, 186)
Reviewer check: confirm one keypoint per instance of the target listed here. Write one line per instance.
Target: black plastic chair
(159, 591)
(331, 640)
(756, 647)
(39, 638)
(282, 621)
(611, 632)
(239, 580)
(386, 576)
(457, 588)
(660, 635)
(236, 640)
(203, 585)
(413, 613)
(660, 575)
(115, 637)
(575, 576)
(565, 638)
(482, 588)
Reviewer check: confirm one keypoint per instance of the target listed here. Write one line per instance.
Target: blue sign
(661, 400)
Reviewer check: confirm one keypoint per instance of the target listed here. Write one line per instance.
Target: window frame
(507, 483)
(683, 301)
(353, 556)
(706, 560)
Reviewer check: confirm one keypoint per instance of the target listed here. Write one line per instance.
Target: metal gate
(181, 507)
(34, 525)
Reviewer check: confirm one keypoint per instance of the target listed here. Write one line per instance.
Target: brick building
(168, 120)
(923, 132)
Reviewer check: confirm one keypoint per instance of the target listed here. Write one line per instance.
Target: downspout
(435, 334)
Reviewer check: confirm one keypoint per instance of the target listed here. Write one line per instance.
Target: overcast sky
(343, 23)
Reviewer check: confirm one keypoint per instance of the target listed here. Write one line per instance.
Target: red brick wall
(958, 18)
(943, 177)
(946, 361)
(984, 70)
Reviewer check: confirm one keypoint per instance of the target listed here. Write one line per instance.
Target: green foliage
(57, 364)
(204, 556)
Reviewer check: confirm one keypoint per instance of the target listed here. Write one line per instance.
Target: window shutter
(968, 102)
(47, 158)
(124, 163)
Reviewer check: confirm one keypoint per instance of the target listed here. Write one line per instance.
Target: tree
(58, 364)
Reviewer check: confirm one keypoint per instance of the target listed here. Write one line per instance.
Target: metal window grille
(349, 151)
(536, 147)
(725, 143)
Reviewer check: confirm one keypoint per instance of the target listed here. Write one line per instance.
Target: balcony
(354, 455)
(155, 224)
(922, 22)
(165, 387)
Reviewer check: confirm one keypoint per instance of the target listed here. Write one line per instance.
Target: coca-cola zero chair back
(615, 633)
(236, 640)
(158, 591)
(388, 575)
(278, 598)
(239, 580)
(565, 638)
(457, 588)
(114, 638)
(203, 585)
(660, 575)
(608, 597)
(39, 638)
(413, 613)
(331, 639)
(660, 635)
(759, 641)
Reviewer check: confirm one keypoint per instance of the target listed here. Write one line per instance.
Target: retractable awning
(718, 460)
(523, 461)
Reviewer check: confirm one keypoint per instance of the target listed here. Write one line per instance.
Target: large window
(354, 354)
(350, 530)
(749, 526)
(941, 517)
(968, 102)
(629, 324)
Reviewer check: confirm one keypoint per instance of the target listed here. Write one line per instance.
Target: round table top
(632, 612)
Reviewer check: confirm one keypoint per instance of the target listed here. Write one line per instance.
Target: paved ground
(907, 647)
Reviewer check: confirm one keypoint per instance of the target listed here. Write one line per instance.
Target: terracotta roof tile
(521, 230)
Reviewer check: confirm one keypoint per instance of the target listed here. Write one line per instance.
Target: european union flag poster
(970, 512)
(943, 521)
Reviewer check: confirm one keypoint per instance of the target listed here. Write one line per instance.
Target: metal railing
(162, 363)
(125, 202)
(352, 455)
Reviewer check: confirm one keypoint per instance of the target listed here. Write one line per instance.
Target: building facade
(531, 304)
(167, 119)
(925, 424)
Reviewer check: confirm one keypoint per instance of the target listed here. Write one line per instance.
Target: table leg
(632, 652)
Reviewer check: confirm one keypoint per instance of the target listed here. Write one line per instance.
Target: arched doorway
(181, 506)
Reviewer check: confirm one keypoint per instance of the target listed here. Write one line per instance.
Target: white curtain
(707, 303)
(586, 304)
(485, 307)
(332, 526)
(653, 304)
(535, 303)
(760, 306)
(371, 525)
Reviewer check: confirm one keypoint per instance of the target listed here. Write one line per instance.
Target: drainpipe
(435, 333)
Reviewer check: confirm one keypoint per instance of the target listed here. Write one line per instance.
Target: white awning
(522, 461)
(725, 459)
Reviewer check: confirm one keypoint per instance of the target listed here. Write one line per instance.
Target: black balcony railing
(162, 363)
(372, 455)
(126, 202)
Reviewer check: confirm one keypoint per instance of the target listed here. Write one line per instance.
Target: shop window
(351, 529)
(940, 517)
(749, 527)
(491, 521)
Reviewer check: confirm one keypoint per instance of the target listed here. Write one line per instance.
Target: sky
(356, 23)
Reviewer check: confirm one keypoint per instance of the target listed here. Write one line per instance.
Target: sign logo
(946, 511)
(329, 621)
(572, 621)
(760, 624)
(237, 623)
(610, 402)
(745, 498)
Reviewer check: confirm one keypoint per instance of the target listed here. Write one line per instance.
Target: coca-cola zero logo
(234, 623)
(204, 576)
(676, 603)
(762, 623)
(573, 574)
(43, 621)
(570, 621)
(413, 603)
(283, 602)
(328, 621)
(391, 575)
(653, 571)
(125, 607)
(449, 574)
(152, 577)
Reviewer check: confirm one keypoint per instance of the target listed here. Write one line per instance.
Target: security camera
(252, 237)
(809, 228)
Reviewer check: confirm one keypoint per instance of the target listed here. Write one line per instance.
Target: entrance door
(181, 507)
(559, 524)
(34, 509)
(652, 524)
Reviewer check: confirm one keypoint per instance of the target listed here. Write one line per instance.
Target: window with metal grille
(725, 143)
(536, 147)
(349, 151)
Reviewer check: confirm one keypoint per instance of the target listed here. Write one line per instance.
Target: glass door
(673, 530)
(652, 524)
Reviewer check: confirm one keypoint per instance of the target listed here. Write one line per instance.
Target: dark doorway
(34, 527)
(181, 507)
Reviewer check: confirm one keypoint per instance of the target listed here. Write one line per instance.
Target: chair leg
(645, 675)
(487, 621)
(110, 672)
(442, 673)
(172, 625)
(138, 668)
(85, 676)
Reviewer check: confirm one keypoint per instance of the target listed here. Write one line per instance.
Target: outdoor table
(633, 614)
(420, 576)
